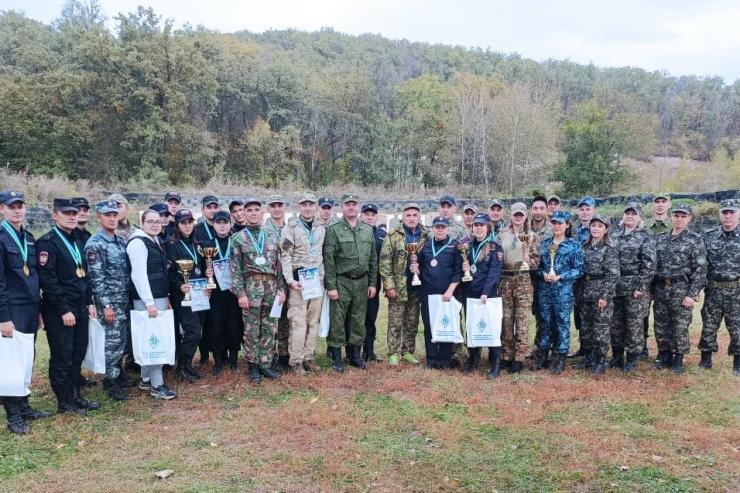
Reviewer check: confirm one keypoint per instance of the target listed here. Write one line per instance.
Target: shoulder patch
(92, 256)
(43, 258)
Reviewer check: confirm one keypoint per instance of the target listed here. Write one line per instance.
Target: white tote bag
(325, 320)
(95, 355)
(16, 364)
(483, 322)
(153, 339)
(444, 318)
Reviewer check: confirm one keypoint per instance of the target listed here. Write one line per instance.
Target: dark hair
(538, 198)
(178, 235)
(605, 239)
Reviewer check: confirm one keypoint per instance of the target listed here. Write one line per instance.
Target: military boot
(124, 381)
(28, 413)
(631, 363)
(188, 367)
(515, 366)
(617, 360)
(736, 365)
(678, 363)
(233, 356)
(16, 423)
(495, 356)
(183, 374)
(335, 354)
(661, 360)
(66, 403)
(587, 362)
(546, 359)
(254, 373)
(283, 361)
(219, 362)
(114, 390)
(538, 357)
(505, 364)
(599, 367)
(558, 364)
(706, 359)
(80, 401)
(353, 357)
(270, 373)
(473, 360)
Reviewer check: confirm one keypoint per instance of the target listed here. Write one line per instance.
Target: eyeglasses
(152, 222)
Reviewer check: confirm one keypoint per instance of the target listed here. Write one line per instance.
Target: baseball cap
(183, 215)
(81, 202)
(118, 198)
(369, 207)
(447, 199)
(307, 197)
(235, 202)
(349, 197)
(210, 199)
(602, 219)
(106, 206)
(555, 198)
(411, 205)
(440, 221)
(662, 195)
(161, 208)
(519, 208)
(252, 200)
(633, 206)
(728, 205)
(9, 197)
(481, 218)
(470, 207)
(685, 208)
(326, 201)
(275, 199)
(560, 216)
(173, 196)
(589, 201)
(221, 215)
(496, 203)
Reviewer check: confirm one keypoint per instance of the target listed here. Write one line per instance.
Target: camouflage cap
(350, 197)
(495, 203)
(560, 217)
(682, 207)
(106, 206)
(555, 198)
(728, 206)
(411, 205)
(249, 201)
(307, 197)
(662, 195)
(633, 206)
(275, 199)
(518, 208)
(602, 219)
(118, 198)
(589, 201)
(471, 207)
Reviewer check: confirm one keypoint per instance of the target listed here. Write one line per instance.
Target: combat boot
(495, 355)
(631, 363)
(283, 361)
(114, 390)
(28, 413)
(546, 359)
(124, 381)
(219, 362)
(736, 365)
(183, 374)
(678, 363)
(80, 401)
(537, 358)
(473, 360)
(335, 354)
(270, 373)
(558, 364)
(192, 371)
(233, 357)
(617, 360)
(706, 359)
(254, 373)
(599, 367)
(661, 360)
(353, 357)
(505, 364)
(16, 423)
(66, 404)
(587, 362)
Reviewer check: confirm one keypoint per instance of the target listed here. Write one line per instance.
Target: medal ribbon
(192, 253)
(23, 247)
(228, 248)
(259, 244)
(434, 250)
(74, 252)
(309, 234)
(476, 251)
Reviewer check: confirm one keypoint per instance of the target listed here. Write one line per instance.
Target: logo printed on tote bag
(482, 325)
(445, 321)
(153, 341)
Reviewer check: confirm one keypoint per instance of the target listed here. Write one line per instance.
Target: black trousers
(224, 322)
(373, 305)
(439, 354)
(188, 329)
(67, 348)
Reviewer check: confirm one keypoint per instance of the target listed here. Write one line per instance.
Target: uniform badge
(43, 258)
(92, 256)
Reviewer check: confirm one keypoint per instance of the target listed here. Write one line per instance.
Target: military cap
(555, 198)
(326, 201)
(496, 203)
(470, 207)
(683, 207)
(81, 202)
(252, 200)
(369, 207)
(275, 199)
(447, 199)
(440, 221)
(307, 197)
(161, 208)
(662, 195)
(349, 197)
(481, 218)
(602, 219)
(518, 208)
(411, 205)
(221, 215)
(210, 199)
(633, 206)
(589, 201)
(728, 205)
(65, 205)
(106, 206)
(183, 215)
(9, 197)
(118, 198)
(235, 202)
(173, 196)
(560, 217)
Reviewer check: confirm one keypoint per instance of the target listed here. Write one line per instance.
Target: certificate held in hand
(310, 283)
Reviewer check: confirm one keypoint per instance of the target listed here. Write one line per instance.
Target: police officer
(256, 280)
(275, 222)
(403, 297)
(447, 209)
(301, 245)
(19, 294)
(351, 270)
(83, 217)
(65, 306)
(370, 217)
(680, 275)
(168, 227)
(174, 202)
(238, 220)
(204, 230)
(108, 272)
(722, 293)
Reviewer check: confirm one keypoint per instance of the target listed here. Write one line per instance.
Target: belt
(724, 284)
(630, 272)
(512, 273)
(594, 277)
(263, 277)
(668, 281)
(354, 277)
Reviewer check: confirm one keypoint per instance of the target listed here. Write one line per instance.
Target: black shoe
(269, 373)
(706, 359)
(70, 408)
(546, 359)
(515, 367)
(184, 375)
(736, 365)
(188, 367)
(558, 364)
(495, 369)
(599, 367)
(631, 363)
(354, 359)
(203, 360)
(617, 360)
(505, 365)
(677, 363)
(114, 390)
(79, 400)
(471, 364)
(283, 361)
(661, 360)
(254, 373)
(16, 423)
(219, 363)
(124, 381)
(587, 362)
(335, 354)
(368, 354)
(28, 413)
(538, 359)
(644, 354)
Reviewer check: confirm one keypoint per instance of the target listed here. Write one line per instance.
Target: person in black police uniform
(19, 294)
(441, 272)
(83, 217)
(66, 305)
(370, 217)
(183, 247)
(168, 227)
(174, 202)
(204, 230)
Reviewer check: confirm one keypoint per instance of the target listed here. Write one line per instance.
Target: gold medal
(80, 272)
(26, 270)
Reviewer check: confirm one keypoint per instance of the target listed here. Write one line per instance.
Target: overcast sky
(699, 37)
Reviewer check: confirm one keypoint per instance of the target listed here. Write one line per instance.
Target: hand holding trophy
(464, 249)
(185, 267)
(209, 253)
(552, 249)
(413, 250)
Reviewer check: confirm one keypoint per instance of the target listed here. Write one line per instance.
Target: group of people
(541, 261)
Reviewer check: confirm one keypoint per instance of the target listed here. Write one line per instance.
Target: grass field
(389, 430)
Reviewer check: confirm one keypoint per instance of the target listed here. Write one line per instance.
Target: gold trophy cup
(524, 240)
(209, 253)
(185, 267)
(413, 250)
(553, 249)
(464, 249)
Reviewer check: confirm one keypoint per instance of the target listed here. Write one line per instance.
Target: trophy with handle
(464, 249)
(552, 249)
(209, 253)
(185, 267)
(413, 250)
(524, 240)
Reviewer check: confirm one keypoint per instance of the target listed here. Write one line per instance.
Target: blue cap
(589, 201)
(221, 215)
(440, 221)
(81, 202)
(161, 208)
(65, 205)
(447, 199)
(326, 201)
(173, 196)
(183, 215)
(560, 216)
(481, 218)
(8, 197)
(369, 207)
(106, 206)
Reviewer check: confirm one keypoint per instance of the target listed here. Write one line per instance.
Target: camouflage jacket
(457, 231)
(349, 251)
(568, 262)
(544, 232)
(394, 261)
(107, 268)
(656, 227)
(723, 254)
(601, 271)
(243, 256)
(636, 250)
(513, 254)
(301, 248)
(683, 255)
(269, 224)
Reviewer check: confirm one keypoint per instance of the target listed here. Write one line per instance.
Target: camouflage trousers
(516, 297)
(627, 329)
(115, 338)
(595, 325)
(259, 328)
(555, 303)
(347, 314)
(403, 324)
(672, 320)
(719, 304)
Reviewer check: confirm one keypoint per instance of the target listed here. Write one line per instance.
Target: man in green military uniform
(660, 223)
(447, 209)
(351, 270)
(276, 223)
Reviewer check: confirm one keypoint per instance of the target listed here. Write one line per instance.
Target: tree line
(150, 102)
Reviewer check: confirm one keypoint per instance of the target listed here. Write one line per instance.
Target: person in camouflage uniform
(403, 298)
(636, 249)
(447, 209)
(596, 292)
(496, 213)
(722, 293)
(351, 269)
(108, 272)
(517, 293)
(539, 225)
(256, 280)
(679, 277)
(276, 223)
